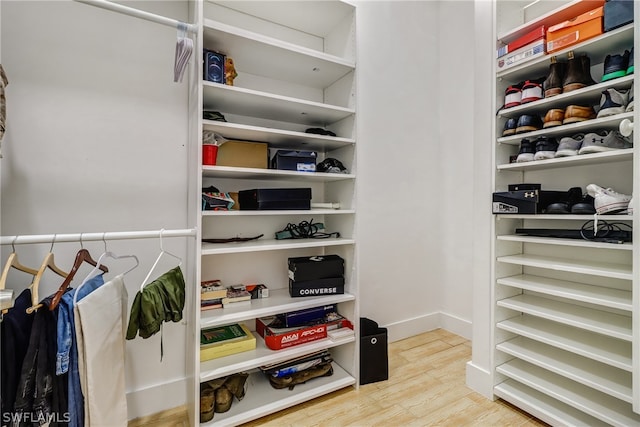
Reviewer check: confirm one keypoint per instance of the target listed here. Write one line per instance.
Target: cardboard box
(289, 338)
(522, 55)
(301, 317)
(243, 154)
(315, 267)
(213, 351)
(312, 288)
(530, 37)
(617, 13)
(578, 29)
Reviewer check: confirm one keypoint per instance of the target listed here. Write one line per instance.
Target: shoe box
(575, 30)
(530, 37)
(316, 275)
(243, 154)
(525, 199)
(275, 199)
(301, 161)
(524, 54)
(617, 13)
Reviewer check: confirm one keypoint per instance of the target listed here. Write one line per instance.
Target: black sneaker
(510, 127)
(615, 66)
(630, 66)
(527, 123)
(584, 206)
(546, 148)
(527, 151)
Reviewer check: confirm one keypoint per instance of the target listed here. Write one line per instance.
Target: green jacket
(160, 301)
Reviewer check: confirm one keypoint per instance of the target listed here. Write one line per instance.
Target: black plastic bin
(374, 360)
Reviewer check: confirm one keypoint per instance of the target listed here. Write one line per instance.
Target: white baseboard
(479, 380)
(156, 398)
(409, 327)
(456, 325)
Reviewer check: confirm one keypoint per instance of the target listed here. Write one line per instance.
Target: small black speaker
(213, 66)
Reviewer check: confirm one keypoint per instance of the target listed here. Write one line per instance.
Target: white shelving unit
(565, 311)
(296, 70)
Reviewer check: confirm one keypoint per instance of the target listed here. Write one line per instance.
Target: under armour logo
(596, 140)
(316, 258)
(532, 194)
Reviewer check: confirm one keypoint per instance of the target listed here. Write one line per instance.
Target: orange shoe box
(575, 30)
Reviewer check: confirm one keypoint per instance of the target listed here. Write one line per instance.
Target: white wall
(95, 142)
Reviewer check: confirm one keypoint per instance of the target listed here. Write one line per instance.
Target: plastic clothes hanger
(162, 252)
(106, 254)
(12, 262)
(47, 263)
(82, 256)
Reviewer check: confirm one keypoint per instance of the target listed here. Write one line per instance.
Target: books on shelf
(212, 289)
(236, 293)
(219, 341)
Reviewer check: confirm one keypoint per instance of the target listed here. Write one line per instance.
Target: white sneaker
(630, 208)
(606, 200)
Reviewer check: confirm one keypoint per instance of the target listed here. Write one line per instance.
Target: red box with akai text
(290, 337)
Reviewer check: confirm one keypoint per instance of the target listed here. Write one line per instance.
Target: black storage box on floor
(315, 267)
(617, 13)
(301, 161)
(374, 359)
(312, 288)
(275, 199)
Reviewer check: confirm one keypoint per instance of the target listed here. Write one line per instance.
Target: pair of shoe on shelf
(217, 395)
(545, 147)
(523, 92)
(616, 66)
(575, 203)
(608, 201)
(571, 114)
(614, 102)
(567, 76)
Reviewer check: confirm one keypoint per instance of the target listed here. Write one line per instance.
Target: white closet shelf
(277, 138)
(599, 295)
(593, 125)
(248, 102)
(271, 174)
(565, 242)
(625, 154)
(601, 377)
(258, 54)
(602, 322)
(271, 245)
(594, 268)
(584, 96)
(590, 401)
(279, 301)
(270, 213)
(262, 355)
(614, 41)
(262, 399)
(542, 406)
(564, 217)
(611, 351)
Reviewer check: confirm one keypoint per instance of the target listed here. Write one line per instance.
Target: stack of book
(237, 296)
(211, 294)
(219, 341)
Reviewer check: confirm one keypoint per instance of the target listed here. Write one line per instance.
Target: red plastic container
(209, 154)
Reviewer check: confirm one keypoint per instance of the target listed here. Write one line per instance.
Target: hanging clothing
(15, 330)
(160, 301)
(41, 398)
(3, 105)
(67, 349)
(100, 319)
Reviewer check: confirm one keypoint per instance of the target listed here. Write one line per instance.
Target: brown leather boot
(575, 78)
(553, 84)
(554, 117)
(206, 402)
(577, 113)
(586, 69)
(224, 398)
(235, 384)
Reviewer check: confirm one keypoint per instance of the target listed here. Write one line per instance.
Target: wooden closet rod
(115, 7)
(86, 237)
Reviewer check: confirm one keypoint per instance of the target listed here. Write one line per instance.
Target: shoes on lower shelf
(630, 104)
(570, 145)
(527, 151)
(612, 102)
(608, 201)
(604, 141)
(545, 148)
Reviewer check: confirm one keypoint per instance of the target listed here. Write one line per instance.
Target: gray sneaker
(630, 105)
(612, 102)
(604, 141)
(569, 145)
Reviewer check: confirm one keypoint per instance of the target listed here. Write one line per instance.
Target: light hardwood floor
(426, 387)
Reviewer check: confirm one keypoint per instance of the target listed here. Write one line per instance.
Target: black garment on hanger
(15, 330)
(42, 395)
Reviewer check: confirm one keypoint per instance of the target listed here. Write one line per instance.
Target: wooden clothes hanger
(82, 256)
(47, 263)
(12, 262)
(162, 252)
